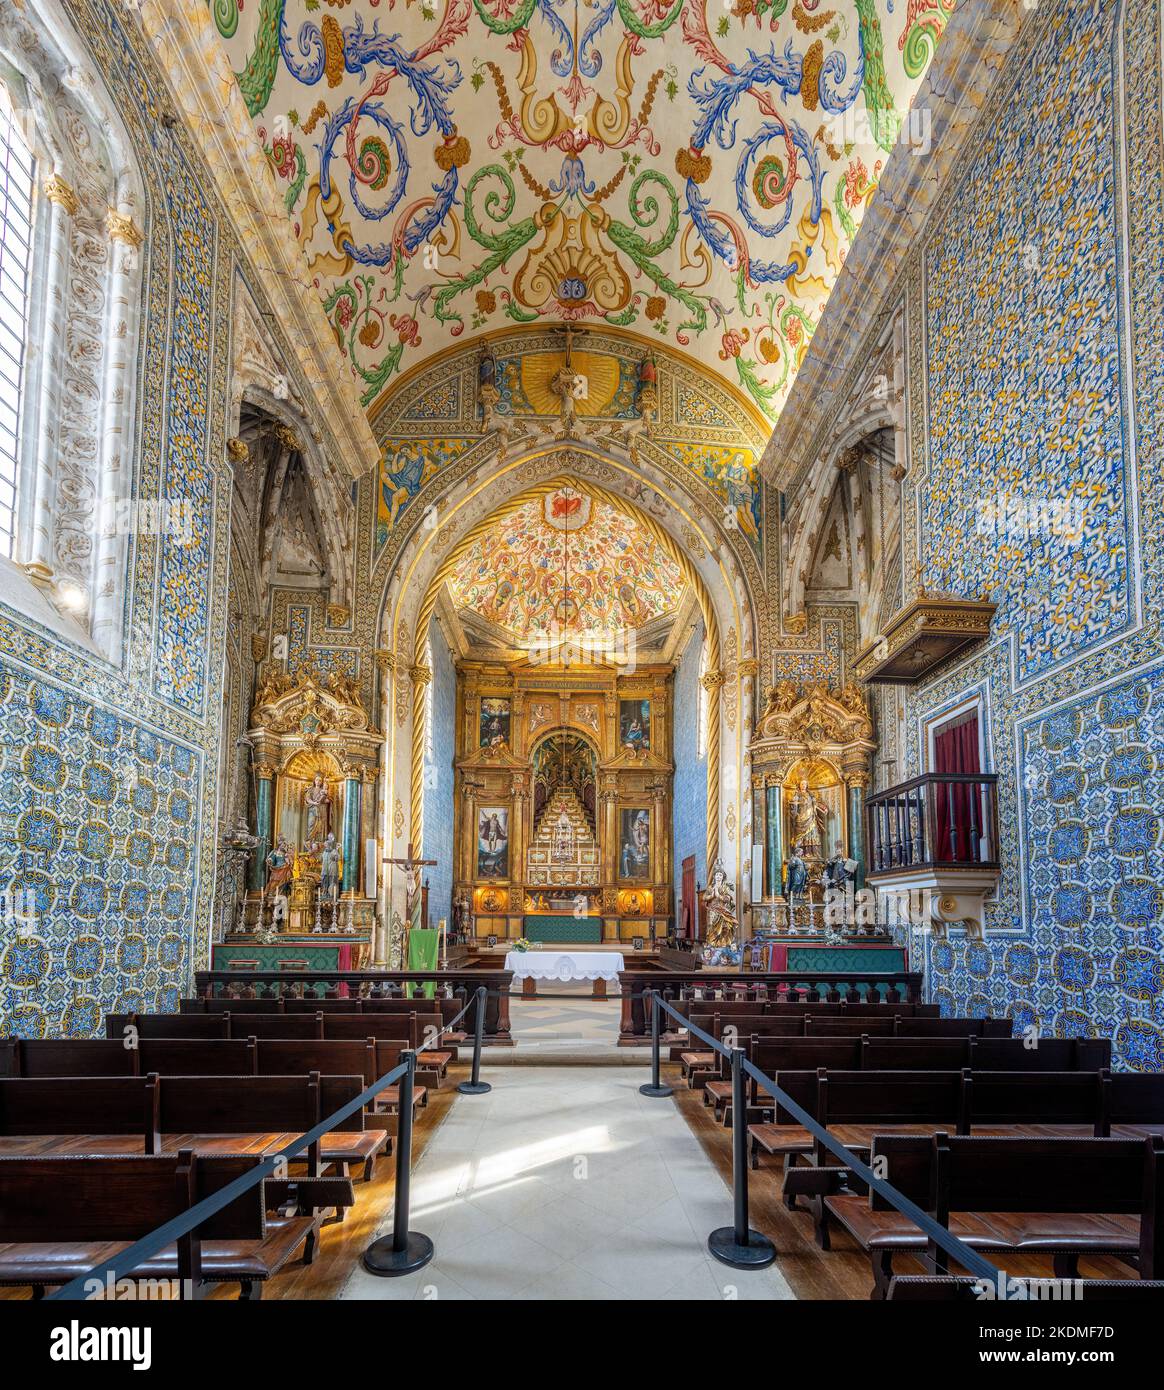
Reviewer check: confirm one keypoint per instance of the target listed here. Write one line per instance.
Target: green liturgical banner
(423, 945)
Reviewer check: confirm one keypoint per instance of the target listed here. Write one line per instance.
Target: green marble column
(263, 807)
(350, 838)
(774, 858)
(857, 830)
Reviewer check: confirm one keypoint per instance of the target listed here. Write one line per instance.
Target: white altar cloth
(565, 965)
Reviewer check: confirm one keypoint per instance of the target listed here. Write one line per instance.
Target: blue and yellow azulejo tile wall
(107, 772)
(1036, 446)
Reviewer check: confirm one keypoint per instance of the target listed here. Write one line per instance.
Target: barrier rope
(149, 1245)
(974, 1263)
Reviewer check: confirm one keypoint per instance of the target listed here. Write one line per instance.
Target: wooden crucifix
(411, 869)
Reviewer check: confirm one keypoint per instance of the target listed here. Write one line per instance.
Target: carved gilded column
(386, 664)
(713, 684)
(125, 241)
(39, 559)
(421, 676)
(746, 673)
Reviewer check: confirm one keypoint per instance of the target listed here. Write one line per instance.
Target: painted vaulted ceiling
(692, 169)
(565, 566)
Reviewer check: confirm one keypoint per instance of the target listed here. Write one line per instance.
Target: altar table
(564, 967)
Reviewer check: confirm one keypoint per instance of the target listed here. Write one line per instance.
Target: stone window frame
(76, 510)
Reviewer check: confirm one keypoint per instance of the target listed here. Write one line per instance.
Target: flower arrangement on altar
(522, 944)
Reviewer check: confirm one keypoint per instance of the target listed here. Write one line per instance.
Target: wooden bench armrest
(815, 1182)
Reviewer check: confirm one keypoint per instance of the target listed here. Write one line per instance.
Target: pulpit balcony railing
(939, 820)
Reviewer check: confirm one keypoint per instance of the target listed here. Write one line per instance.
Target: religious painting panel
(495, 723)
(634, 725)
(492, 842)
(634, 843)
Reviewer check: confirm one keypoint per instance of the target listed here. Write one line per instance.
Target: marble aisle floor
(565, 1183)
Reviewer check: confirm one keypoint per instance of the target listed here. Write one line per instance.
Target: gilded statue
(809, 818)
(719, 900)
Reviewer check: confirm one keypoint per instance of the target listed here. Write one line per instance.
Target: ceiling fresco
(693, 171)
(566, 565)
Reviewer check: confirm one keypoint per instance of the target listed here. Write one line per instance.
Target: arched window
(71, 239)
(17, 184)
(701, 731)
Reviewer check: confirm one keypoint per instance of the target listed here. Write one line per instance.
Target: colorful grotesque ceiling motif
(686, 168)
(565, 566)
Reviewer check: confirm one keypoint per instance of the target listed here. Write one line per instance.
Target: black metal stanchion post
(404, 1251)
(475, 1086)
(738, 1245)
(656, 1086)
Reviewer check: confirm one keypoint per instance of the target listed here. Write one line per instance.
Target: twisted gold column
(713, 684)
(420, 676)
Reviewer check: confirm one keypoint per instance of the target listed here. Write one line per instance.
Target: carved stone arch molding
(875, 404)
(407, 587)
(258, 378)
(649, 409)
(79, 390)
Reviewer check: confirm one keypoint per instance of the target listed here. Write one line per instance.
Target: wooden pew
(209, 1114)
(168, 1025)
(288, 1026)
(67, 1057)
(195, 1057)
(33, 1057)
(961, 1288)
(1037, 1104)
(270, 1111)
(411, 1029)
(1137, 1104)
(985, 1054)
(62, 1216)
(772, 1055)
(76, 1115)
(228, 1005)
(855, 1106)
(1059, 1197)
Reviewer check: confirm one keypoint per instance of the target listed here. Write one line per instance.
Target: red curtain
(956, 750)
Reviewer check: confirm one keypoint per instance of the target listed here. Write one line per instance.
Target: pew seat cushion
(860, 1137)
(1010, 1232)
(69, 1145)
(390, 1097)
(223, 1261)
(781, 1139)
(352, 1146)
(889, 1230)
(1136, 1131)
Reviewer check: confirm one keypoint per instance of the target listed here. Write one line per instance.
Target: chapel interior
(588, 571)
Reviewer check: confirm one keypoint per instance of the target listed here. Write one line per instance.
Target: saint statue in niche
(329, 870)
(317, 809)
(809, 817)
